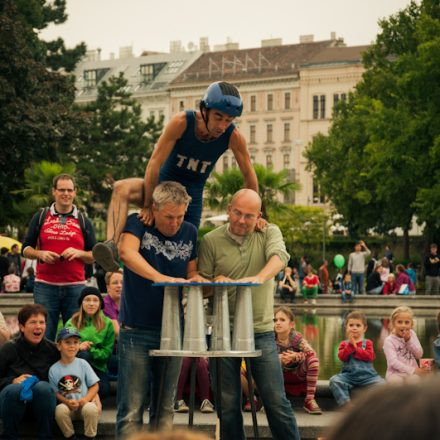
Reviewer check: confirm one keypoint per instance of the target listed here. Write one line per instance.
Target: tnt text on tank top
(192, 164)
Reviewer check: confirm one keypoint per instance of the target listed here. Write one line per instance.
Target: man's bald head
(248, 197)
(244, 211)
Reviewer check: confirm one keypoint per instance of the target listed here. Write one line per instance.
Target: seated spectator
(404, 284)
(390, 287)
(5, 333)
(298, 360)
(11, 282)
(113, 282)
(385, 269)
(391, 412)
(412, 273)
(337, 282)
(76, 387)
(28, 281)
(374, 282)
(310, 286)
(402, 348)
(202, 385)
(4, 263)
(24, 368)
(97, 335)
(357, 355)
(288, 286)
(347, 293)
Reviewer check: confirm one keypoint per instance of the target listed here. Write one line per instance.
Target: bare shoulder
(177, 124)
(237, 140)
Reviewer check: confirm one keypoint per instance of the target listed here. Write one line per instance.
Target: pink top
(402, 356)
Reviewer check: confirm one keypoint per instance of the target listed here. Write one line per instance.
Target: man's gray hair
(170, 192)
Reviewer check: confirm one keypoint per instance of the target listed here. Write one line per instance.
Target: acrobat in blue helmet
(224, 97)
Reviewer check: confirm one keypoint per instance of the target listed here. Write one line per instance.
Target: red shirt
(57, 234)
(311, 282)
(346, 349)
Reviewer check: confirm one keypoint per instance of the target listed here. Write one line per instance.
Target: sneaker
(248, 407)
(206, 407)
(312, 407)
(106, 255)
(313, 301)
(181, 407)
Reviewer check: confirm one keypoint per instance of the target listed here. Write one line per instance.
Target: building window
(233, 162)
(150, 71)
(253, 103)
(252, 134)
(252, 158)
(225, 163)
(90, 78)
(269, 162)
(318, 197)
(315, 107)
(287, 101)
(322, 105)
(269, 133)
(286, 161)
(335, 98)
(181, 106)
(270, 101)
(343, 97)
(286, 131)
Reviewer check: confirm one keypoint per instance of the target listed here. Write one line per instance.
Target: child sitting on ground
(357, 354)
(390, 287)
(310, 286)
(347, 289)
(298, 360)
(76, 387)
(402, 348)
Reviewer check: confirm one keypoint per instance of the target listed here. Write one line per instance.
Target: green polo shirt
(220, 254)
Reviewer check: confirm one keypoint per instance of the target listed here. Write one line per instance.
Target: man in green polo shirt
(236, 251)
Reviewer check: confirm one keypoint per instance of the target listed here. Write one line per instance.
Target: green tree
(115, 143)
(271, 184)
(36, 118)
(384, 141)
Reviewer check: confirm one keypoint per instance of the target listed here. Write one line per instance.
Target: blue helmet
(223, 97)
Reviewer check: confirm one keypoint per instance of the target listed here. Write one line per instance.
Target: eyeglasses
(239, 214)
(65, 190)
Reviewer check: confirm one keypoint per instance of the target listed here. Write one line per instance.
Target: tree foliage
(36, 117)
(379, 163)
(271, 184)
(115, 143)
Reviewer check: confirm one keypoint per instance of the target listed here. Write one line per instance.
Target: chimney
(306, 38)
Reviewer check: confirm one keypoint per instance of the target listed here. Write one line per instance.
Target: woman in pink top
(402, 348)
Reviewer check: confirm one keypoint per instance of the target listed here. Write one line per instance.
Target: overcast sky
(152, 24)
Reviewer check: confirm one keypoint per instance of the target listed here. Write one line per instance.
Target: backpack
(81, 218)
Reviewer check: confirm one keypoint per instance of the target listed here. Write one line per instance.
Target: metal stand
(194, 340)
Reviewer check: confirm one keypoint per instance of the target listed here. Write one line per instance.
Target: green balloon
(339, 261)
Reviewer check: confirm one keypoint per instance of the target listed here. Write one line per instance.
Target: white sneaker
(181, 407)
(206, 407)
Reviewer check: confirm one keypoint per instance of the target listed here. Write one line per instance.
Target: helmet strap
(205, 118)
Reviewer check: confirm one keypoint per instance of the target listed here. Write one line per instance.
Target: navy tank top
(191, 162)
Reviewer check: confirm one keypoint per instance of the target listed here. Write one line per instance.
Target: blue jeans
(266, 371)
(139, 377)
(357, 280)
(56, 300)
(41, 408)
(341, 384)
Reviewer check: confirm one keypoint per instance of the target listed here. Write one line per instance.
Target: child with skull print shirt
(76, 387)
